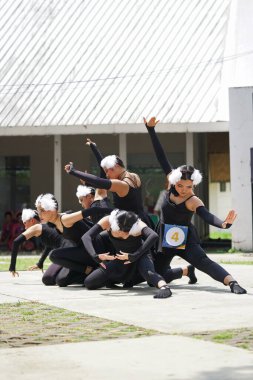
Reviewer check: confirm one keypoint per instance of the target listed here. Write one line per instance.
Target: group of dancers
(106, 245)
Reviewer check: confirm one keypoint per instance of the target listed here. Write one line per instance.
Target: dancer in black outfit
(125, 186)
(50, 239)
(131, 240)
(178, 207)
(89, 197)
(72, 227)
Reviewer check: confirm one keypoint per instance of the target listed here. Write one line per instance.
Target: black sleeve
(93, 180)
(93, 211)
(43, 257)
(210, 218)
(149, 236)
(159, 151)
(16, 244)
(99, 158)
(87, 240)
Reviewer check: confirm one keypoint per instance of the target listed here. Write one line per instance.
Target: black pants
(57, 275)
(117, 272)
(194, 255)
(74, 258)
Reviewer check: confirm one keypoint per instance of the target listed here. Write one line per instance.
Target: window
(14, 183)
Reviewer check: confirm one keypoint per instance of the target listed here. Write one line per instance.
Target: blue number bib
(174, 236)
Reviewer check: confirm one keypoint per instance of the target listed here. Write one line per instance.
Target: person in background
(6, 229)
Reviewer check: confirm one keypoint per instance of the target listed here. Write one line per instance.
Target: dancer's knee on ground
(48, 280)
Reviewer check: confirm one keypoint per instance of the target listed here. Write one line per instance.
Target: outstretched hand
(230, 218)
(35, 267)
(151, 123)
(88, 142)
(68, 167)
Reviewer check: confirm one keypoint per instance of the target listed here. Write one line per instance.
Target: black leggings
(116, 272)
(57, 275)
(74, 258)
(194, 255)
(49, 277)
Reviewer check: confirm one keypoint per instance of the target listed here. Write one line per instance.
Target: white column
(189, 156)
(189, 148)
(57, 169)
(123, 148)
(241, 140)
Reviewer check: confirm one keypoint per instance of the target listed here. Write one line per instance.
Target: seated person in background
(6, 229)
(16, 229)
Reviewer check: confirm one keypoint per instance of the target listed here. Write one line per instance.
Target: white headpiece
(113, 220)
(46, 201)
(136, 228)
(28, 214)
(82, 191)
(176, 176)
(109, 162)
(196, 177)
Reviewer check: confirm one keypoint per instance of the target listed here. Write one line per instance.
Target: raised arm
(69, 219)
(159, 151)
(115, 185)
(98, 156)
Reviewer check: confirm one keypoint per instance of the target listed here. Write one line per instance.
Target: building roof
(110, 62)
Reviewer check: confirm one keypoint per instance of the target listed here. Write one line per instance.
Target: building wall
(241, 140)
(40, 150)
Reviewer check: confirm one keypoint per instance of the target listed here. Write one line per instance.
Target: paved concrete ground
(207, 305)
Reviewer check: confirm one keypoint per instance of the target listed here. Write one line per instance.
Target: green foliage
(220, 235)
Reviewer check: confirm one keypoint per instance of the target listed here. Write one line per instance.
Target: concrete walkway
(207, 305)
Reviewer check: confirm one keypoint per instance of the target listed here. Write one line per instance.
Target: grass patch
(238, 262)
(220, 235)
(23, 263)
(33, 323)
(240, 338)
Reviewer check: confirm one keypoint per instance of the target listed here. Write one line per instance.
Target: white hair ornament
(27, 214)
(82, 191)
(196, 177)
(37, 202)
(109, 162)
(176, 175)
(113, 220)
(46, 202)
(136, 228)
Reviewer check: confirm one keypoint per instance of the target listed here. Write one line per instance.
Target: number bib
(174, 236)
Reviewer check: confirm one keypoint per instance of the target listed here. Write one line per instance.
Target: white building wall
(241, 140)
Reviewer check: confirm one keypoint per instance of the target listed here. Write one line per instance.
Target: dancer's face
(30, 223)
(184, 187)
(110, 173)
(120, 234)
(86, 201)
(46, 216)
(113, 173)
